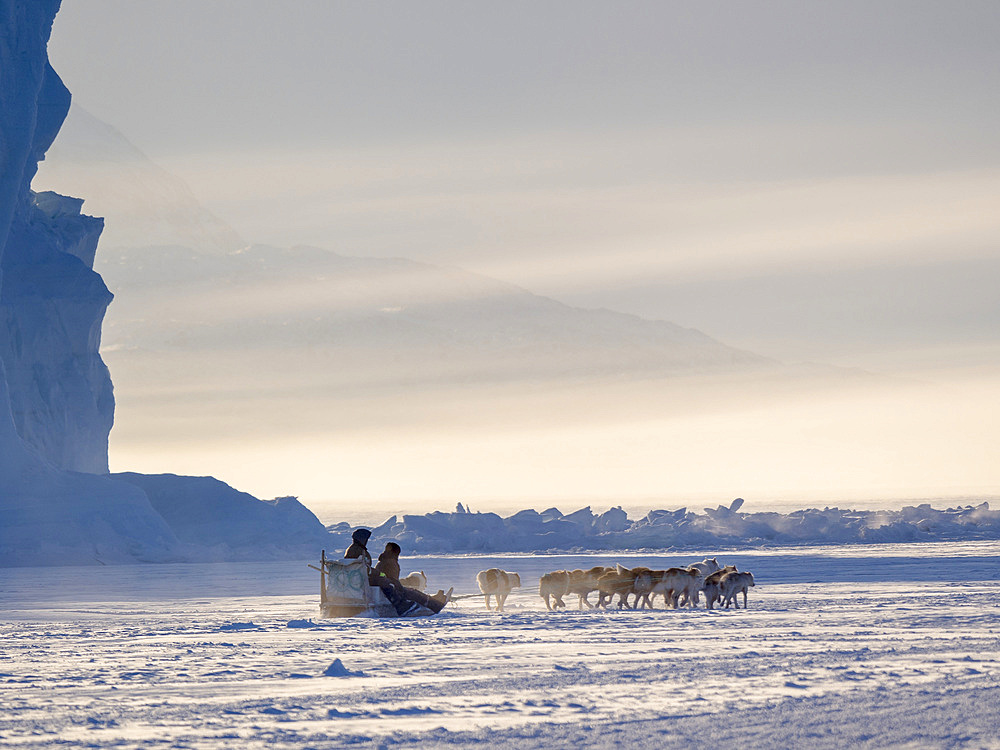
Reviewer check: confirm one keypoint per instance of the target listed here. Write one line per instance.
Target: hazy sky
(807, 180)
(182, 76)
(734, 167)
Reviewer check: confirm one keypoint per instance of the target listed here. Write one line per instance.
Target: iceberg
(56, 404)
(58, 504)
(214, 521)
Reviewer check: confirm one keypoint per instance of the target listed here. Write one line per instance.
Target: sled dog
(556, 586)
(497, 583)
(711, 586)
(707, 566)
(642, 587)
(732, 584)
(618, 580)
(678, 586)
(416, 580)
(582, 582)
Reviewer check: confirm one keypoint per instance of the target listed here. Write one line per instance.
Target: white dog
(731, 585)
(416, 580)
(497, 583)
(678, 586)
(707, 566)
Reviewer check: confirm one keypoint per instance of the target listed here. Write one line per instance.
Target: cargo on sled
(345, 592)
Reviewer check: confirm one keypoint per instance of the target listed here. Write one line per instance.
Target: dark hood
(361, 536)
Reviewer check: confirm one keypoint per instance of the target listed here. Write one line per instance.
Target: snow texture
(337, 669)
(866, 647)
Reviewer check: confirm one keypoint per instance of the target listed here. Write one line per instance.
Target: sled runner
(345, 592)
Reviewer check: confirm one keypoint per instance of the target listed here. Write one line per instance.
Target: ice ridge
(714, 528)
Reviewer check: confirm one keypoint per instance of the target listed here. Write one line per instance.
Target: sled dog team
(678, 586)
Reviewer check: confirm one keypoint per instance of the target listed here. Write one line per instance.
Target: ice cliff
(56, 405)
(58, 505)
(51, 300)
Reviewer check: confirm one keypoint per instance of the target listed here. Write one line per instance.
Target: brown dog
(554, 585)
(497, 583)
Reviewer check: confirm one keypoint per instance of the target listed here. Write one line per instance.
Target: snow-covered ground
(867, 646)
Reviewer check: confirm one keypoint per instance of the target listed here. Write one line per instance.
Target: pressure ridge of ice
(712, 528)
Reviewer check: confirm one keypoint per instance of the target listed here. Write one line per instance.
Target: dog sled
(344, 591)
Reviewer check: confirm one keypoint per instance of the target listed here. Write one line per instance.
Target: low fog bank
(405, 387)
(782, 442)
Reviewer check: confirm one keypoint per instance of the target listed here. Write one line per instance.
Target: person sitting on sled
(387, 571)
(387, 578)
(358, 549)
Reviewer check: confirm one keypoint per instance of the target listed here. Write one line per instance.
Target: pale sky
(653, 157)
(810, 181)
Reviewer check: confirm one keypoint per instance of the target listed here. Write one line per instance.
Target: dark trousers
(402, 598)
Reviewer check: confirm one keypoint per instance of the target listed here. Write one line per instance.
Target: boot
(441, 598)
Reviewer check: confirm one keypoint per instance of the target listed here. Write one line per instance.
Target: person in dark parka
(387, 569)
(392, 589)
(358, 548)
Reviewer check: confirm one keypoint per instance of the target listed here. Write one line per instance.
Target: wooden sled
(344, 591)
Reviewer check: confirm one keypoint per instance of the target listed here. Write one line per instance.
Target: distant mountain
(142, 203)
(382, 316)
(213, 342)
(185, 283)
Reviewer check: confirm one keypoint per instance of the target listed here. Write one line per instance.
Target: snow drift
(216, 522)
(72, 518)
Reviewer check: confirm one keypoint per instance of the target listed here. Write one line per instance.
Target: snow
(82, 519)
(337, 669)
(213, 521)
(866, 646)
(886, 635)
